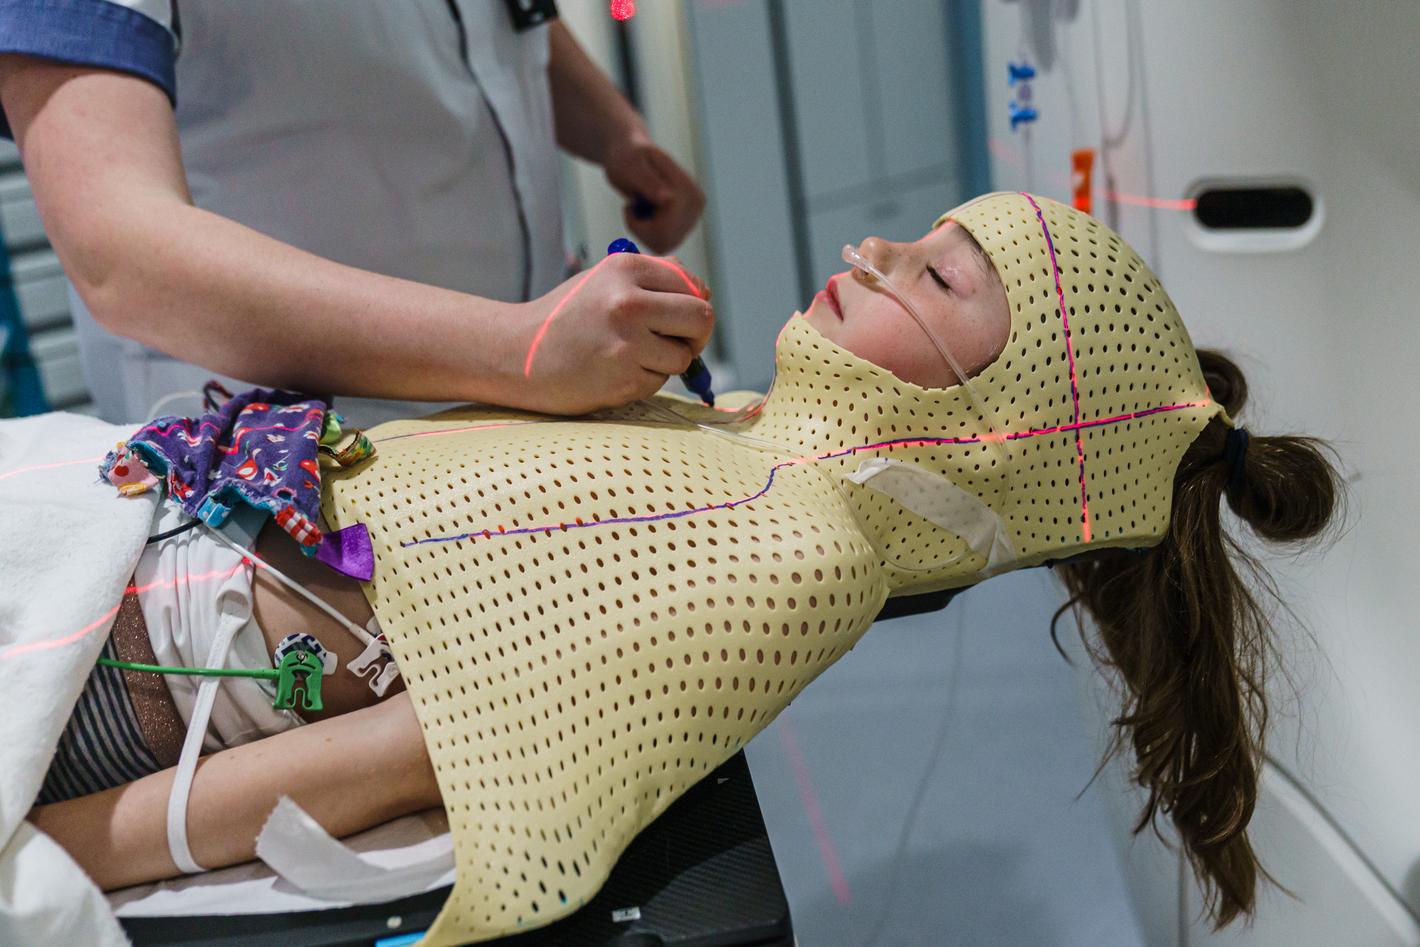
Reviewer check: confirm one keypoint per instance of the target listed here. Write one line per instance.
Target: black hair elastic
(1235, 455)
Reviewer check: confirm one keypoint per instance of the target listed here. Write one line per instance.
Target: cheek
(898, 344)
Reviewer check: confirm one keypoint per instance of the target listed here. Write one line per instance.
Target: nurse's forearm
(210, 291)
(349, 773)
(589, 114)
(101, 152)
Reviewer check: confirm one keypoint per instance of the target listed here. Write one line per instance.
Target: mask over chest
(590, 616)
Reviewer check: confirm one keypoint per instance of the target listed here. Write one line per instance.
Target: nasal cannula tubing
(852, 257)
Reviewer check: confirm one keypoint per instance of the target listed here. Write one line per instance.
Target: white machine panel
(1176, 98)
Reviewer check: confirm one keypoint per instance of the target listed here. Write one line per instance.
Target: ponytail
(1181, 626)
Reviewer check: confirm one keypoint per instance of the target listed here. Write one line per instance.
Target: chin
(821, 319)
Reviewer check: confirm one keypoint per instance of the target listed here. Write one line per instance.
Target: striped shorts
(124, 725)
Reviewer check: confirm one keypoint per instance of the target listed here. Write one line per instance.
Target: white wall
(1327, 332)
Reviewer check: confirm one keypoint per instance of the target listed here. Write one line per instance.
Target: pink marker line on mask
(1070, 352)
(502, 532)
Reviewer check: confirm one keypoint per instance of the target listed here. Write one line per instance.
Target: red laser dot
(623, 10)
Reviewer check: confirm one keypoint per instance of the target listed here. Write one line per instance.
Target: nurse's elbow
(109, 302)
(107, 279)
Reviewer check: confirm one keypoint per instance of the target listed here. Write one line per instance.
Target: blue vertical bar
(23, 393)
(965, 54)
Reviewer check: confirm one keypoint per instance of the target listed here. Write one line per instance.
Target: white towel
(68, 544)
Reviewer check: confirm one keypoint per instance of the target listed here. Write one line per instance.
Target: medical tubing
(360, 634)
(268, 673)
(904, 835)
(173, 396)
(175, 531)
(176, 821)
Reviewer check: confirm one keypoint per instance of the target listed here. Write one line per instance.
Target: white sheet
(68, 544)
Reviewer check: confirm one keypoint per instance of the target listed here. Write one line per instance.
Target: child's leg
(350, 773)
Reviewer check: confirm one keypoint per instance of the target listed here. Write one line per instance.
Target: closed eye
(946, 287)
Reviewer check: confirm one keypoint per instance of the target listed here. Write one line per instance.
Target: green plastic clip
(307, 666)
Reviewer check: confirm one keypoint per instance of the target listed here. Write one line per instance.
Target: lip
(830, 294)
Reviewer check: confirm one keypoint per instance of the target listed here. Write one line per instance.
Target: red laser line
(33, 467)
(461, 430)
(1070, 352)
(542, 330)
(811, 808)
(1157, 203)
(15, 651)
(689, 283)
(562, 303)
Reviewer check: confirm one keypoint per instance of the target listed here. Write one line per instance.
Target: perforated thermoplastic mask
(592, 614)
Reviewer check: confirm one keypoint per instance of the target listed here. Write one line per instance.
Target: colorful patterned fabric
(260, 448)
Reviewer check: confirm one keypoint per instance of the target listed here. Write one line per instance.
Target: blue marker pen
(697, 376)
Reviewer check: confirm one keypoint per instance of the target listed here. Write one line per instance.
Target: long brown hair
(1181, 627)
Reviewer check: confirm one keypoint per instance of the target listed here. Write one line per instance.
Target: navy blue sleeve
(89, 33)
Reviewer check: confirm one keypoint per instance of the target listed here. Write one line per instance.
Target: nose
(884, 254)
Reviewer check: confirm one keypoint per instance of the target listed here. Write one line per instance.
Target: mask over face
(592, 614)
(1071, 437)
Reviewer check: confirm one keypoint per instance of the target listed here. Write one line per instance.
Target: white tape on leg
(298, 849)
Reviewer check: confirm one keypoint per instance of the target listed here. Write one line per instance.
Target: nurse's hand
(637, 167)
(610, 335)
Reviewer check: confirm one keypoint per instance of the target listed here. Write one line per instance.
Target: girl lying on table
(589, 614)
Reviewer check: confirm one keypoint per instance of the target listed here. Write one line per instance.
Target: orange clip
(1082, 163)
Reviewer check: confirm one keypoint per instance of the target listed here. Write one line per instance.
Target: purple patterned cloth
(260, 448)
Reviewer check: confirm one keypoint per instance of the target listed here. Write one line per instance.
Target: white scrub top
(410, 138)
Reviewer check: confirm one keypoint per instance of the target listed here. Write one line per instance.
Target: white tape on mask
(938, 500)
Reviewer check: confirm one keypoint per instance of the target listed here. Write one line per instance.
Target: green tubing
(269, 674)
